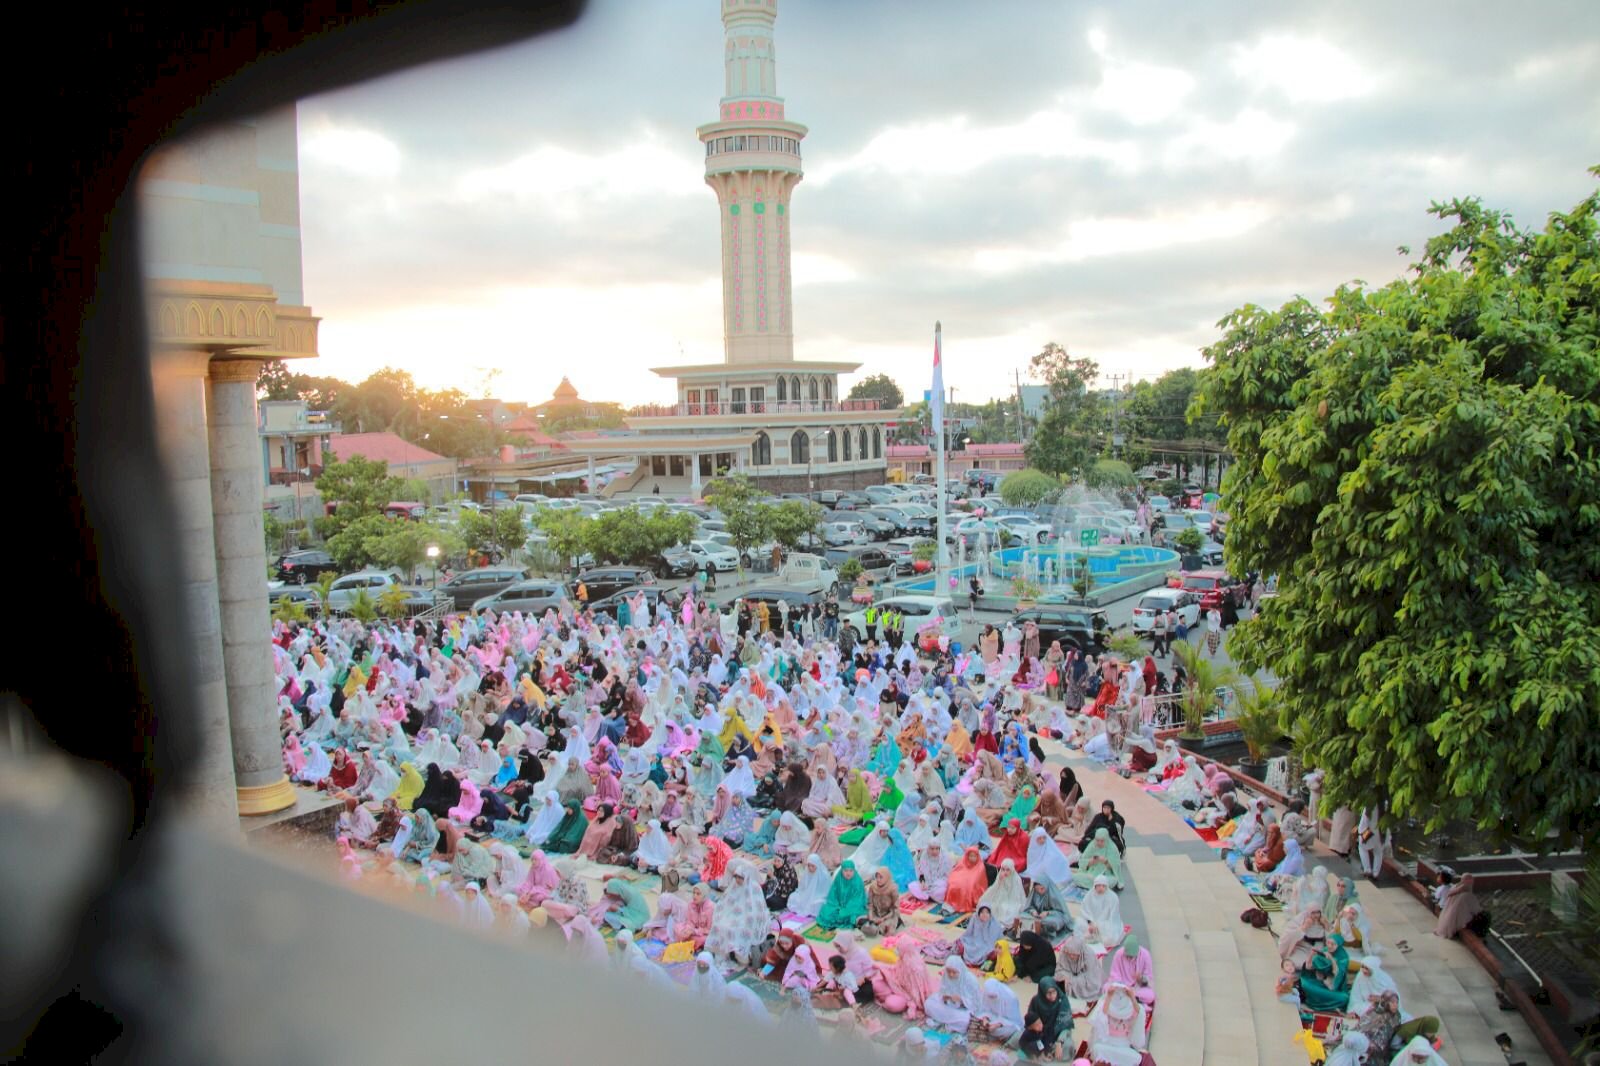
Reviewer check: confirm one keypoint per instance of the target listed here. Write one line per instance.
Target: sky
(1112, 177)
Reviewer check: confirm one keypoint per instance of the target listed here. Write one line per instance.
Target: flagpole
(941, 566)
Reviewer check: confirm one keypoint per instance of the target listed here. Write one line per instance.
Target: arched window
(799, 445)
(813, 390)
(833, 446)
(761, 450)
(794, 389)
(783, 388)
(877, 442)
(846, 435)
(862, 451)
(827, 388)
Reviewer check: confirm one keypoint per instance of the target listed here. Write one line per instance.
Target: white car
(1160, 503)
(1029, 530)
(917, 609)
(720, 556)
(1183, 601)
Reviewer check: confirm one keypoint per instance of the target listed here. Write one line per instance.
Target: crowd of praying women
(696, 798)
(871, 831)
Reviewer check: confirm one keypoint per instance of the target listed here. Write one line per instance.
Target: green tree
(1110, 474)
(275, 382)
(392, 602)
(400, 545)
(1206, 678)
(272, 530)
(362, 607)
(1418, 464)
(570, 532)
(289, 610)
(737, 497)
(497, 531)
(362, 488)
(629, 535)
(880, 387)
(352, 546)
(324, 587)
(791, 521)
(1071, 429)
(1189, 540)
(912, 424)
(1025, 488)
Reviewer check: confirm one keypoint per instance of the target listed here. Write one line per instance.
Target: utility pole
(1022, 426)
(1116, 402)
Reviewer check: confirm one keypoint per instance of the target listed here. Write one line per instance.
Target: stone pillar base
(264, 799)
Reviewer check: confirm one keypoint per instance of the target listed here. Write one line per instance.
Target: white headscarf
(1350, 1051)
(1102, 907)
(654, 847)
(1045, 860)
(1000, 1003)
(740, 780)
(812, 891)
(1005, 898)
(1417, 1053)
(1363, 987)
(957, 980)
(706, 981)
(542, 824)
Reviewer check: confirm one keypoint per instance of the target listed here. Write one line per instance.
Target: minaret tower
(753, 164)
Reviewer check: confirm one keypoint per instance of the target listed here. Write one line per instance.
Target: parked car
(1183, 601)
(903, 551)
(676, 562)
(1026, 528)
(470, 586)
(305, 567)
(918, 610)
(376, 583)
(721, 556)
(877, 528)
(837, 534)
(772, 594)
(1212, 586)
(875, 562)
(307, 598)
(602, 581)
(530, 597)
(1084, 628)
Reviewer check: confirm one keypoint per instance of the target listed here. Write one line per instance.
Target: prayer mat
(957, 920)
(680, 972)
(910, 904)
(652, 948)
(791, 920)
(1269, 904)
(1153, 788)
(820, 935)
(1253, 885)
(1074, 893)
(854, 836)
(922, 934)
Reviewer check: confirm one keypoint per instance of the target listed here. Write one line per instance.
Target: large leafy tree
(628, 535)
(880, 387)
(1024, 488)
(360, 487)
(1070, 431)
(1420, 465)
(739, 500)
(791, 521)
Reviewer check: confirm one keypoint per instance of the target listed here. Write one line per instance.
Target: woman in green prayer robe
(1100, 858)
(626, 908)
(1325, 983)
(568, 833)
(1022, 806)
(847, 899)
(857, 800)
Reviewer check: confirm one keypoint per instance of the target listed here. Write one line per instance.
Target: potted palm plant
(1205, 677)
(1257, 716)
(1025, 591)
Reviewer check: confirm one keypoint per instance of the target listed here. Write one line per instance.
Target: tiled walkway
(1215, 975)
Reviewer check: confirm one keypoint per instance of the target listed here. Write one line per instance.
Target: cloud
(351, 150)
(1111, 178)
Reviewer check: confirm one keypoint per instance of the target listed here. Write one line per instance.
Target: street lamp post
(433, 562)
(811, 481)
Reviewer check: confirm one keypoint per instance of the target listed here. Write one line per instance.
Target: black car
(675, 562)
(603, 581)
(772, 594)
(877, 527)
(876, 562)
(1084, 628)
(304, 567)
(470, 586)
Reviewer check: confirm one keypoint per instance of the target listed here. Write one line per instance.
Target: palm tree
(1205, 677)
(362, 608)
(1257, 712)
(324, 589)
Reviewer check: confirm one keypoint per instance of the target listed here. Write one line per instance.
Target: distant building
(910, 459)
(566, 403)
(405, 460)
(292, 442)
(1034, 397)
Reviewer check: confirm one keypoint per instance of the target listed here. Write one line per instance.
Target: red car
(1212, 585)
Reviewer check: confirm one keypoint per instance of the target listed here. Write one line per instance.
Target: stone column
(694, 474)
(179, 381)
(236, 496)
(593, 489)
